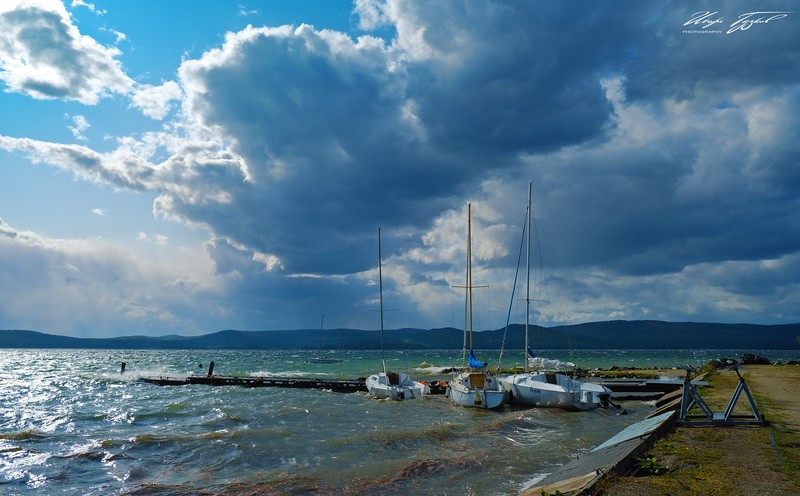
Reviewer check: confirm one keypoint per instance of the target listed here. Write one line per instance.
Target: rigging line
(380, 292)
(514, 288)
(545, 251)
(555, 290)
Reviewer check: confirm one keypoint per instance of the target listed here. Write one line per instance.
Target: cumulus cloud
(156, 101)
(658, 158)
(43, 55)
(352, 133)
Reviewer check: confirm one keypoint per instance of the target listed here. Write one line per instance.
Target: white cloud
(81, 124)
(156, 101)
(271, 262)
(90, 6)
(158, 239)
(77, 286)
(247, 12)
(43, 55)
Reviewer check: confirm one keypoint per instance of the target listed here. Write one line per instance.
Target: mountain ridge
(616, 334)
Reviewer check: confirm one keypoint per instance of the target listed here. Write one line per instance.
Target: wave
(23, 435)
(291, 373)
(277, 484)
(424, 468)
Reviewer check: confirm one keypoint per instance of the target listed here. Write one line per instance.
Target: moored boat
(389, 384)
(475, 387)
(547, 387)
(320, 358)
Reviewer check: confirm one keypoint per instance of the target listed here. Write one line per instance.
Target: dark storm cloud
(667, 164)
(685, 66)
(340, 136)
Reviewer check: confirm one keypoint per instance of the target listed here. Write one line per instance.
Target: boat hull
(554, 391)
(476, 390)
(323, 360)
(395, 387)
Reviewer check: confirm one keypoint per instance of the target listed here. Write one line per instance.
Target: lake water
(70, 423)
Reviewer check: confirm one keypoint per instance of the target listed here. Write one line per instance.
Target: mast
(319, 350)
(466, 295)
(528, 278)
(380, 292)
(468, 287)
(469, 270)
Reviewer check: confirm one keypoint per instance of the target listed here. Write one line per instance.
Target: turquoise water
(70, 423)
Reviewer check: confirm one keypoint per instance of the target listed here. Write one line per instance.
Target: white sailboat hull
(476, 390)
(551, 390)
(396, 387)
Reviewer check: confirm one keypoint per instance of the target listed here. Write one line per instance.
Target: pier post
(122, 368)
(211, 369)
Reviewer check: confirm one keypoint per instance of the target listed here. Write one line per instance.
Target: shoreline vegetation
(618, 334)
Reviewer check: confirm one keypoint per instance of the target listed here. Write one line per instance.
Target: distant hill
(618, 334)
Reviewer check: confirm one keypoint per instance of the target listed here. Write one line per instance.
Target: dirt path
(728, 460)
(778, 387)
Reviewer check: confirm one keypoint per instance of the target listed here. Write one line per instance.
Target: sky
(185, 167)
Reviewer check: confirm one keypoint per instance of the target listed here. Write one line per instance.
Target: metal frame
(691, 397)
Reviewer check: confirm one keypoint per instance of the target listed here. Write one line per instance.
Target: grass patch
(718, 460)
(784, 441)
(649, 465)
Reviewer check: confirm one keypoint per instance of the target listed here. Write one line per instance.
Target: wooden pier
(336, 385)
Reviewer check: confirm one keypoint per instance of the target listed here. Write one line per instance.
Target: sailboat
(391, 384)
(545, 387)
(475, 387)
(319, 358)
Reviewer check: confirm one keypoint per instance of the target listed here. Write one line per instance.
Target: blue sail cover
(473, 362)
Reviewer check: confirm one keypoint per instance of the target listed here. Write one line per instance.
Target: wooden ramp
(614, 455)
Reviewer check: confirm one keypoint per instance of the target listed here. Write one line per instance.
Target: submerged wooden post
(211, 369)
(122, 368)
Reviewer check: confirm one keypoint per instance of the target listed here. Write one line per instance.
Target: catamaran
(544, 386)
(391, 384)
(475, 387)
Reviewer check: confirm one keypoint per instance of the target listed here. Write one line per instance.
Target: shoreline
(678, 460)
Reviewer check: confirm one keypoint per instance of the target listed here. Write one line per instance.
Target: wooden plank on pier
(164, 381)
(615, 455)
(336, 385)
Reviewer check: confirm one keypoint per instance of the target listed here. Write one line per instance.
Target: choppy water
(71, 424)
